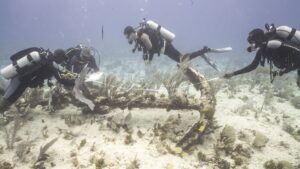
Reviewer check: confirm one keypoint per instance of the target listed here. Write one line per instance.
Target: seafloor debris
(206, 109)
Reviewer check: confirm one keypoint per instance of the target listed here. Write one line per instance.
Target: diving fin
(211, 63)
(220, 50)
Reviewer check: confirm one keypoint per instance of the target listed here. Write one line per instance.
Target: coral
(202, 157)
(221, 163)
(23, 149)
(288, 128)
(140, 134)
(73, 120)
(260, 140)
(278, 165)
(12, 132)
(75, 161)
(228, 135)
(134, 164)
(128, 139)
(296, 102)
(82, 144)
(172, 82)
(100, 163)
(45, 132)
(6, 165)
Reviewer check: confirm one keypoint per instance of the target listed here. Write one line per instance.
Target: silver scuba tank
(169, 36)
(289, 34)
(12, 70)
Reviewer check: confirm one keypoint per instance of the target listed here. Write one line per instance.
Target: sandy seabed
(90, 141)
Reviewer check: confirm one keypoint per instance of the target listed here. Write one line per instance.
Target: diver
(80, 56)
(279, 52)
(152, 39)
(30, 68)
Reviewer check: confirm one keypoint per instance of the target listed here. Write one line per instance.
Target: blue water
(64, 23)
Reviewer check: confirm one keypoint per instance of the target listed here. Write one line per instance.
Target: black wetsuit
(158, 43)
(284, 57)
(43, 70)
(76, 64)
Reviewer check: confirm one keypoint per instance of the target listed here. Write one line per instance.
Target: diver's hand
(298, 81)
(228, 75)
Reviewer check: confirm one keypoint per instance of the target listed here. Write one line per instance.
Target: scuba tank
(169, 36)
(285, 33)
(16, 67)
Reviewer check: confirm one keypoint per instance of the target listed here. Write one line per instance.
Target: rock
(284, 165)
(201, 157)
(238, 160)
(223, 164)
(243, 150)
(260, 140)
(297, 137)
(296, 102)
(228, 135)
(128, 139)
(5, 165)
(278, 165)
(243, 136)
(270, 165)
(288, 128)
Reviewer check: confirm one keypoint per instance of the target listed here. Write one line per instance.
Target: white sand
(110, 145)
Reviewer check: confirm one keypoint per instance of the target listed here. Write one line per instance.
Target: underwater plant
(23, 149)
(42, 157)
(10, 134)
(134, 164)
(172, 82)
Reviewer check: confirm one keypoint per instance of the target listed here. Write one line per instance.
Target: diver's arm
(71, 52)
(92, 64)
(62, 76)
(250, 67)
(146, 41)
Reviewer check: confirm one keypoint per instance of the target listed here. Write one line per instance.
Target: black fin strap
(291, 34)
(15, 64)
(30, 59)
(158, 28)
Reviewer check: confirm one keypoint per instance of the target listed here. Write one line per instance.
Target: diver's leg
(172, 53)
(14, 90)
(198, 53)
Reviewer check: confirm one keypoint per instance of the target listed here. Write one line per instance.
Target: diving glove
(228, 75)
